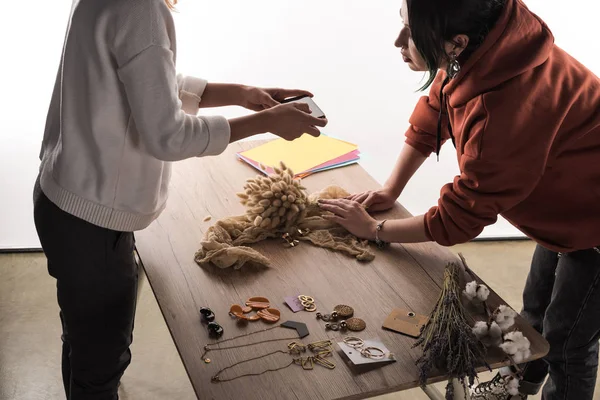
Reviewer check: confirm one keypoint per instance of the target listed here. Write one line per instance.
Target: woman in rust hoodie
(524, 118)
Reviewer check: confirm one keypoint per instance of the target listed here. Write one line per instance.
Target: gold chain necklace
(322, 349)
(217, 378)
(207, 348)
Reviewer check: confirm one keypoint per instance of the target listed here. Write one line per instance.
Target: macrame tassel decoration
(277, 206)
(275, 202)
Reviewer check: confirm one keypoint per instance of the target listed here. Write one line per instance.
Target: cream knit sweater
(119, 115)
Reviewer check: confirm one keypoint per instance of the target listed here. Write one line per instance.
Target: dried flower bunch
(277, 206)
(275, 202)
(447, 340)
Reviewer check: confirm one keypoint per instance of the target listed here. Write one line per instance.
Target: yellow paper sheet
(300, 155)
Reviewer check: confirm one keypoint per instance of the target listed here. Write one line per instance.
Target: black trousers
(96, 280)
(562, 301)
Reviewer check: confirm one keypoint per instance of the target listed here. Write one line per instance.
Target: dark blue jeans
(562, 301)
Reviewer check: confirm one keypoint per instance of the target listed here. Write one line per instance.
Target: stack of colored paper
(305, 155)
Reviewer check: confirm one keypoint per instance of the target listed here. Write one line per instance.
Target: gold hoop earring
(368, 352)
(354, 342)
(453, 66)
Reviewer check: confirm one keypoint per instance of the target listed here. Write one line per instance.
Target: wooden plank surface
(403, 276)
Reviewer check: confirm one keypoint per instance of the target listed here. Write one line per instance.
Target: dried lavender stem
(466, 267)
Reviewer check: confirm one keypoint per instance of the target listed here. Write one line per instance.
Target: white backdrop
(341, 50)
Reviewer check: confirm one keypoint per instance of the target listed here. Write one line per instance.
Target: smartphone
(314, 108)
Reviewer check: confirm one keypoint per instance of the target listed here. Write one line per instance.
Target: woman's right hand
(376, 200)
(291, 120)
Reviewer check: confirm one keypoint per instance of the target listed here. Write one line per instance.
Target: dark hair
(434, 22)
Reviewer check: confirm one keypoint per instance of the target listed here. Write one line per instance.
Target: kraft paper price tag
(405, 322)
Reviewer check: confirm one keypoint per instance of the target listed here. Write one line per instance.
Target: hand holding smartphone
(315, 110)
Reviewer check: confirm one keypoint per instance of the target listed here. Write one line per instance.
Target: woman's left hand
(352, 216)
(258, 99)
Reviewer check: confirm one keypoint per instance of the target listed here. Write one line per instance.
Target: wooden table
(403, 276)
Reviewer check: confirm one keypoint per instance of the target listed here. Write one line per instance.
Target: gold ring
(366, 352)
(311, 308)
(303, 297)
(354, 342)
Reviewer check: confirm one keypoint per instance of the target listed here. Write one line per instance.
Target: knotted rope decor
(277, 205)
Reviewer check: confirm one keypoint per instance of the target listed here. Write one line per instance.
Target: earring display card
(406, 322)
(293, 302)
(357, 359)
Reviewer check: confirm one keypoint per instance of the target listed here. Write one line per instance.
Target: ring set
(308, 303)
(371, 352)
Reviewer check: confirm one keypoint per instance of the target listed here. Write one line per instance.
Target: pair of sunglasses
(208, 317)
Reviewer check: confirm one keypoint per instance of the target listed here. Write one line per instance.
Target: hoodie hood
(519, 42)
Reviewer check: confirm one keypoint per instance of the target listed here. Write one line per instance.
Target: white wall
(342, 50)
(32, 35)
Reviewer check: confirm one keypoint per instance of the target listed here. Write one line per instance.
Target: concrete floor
(30, 330)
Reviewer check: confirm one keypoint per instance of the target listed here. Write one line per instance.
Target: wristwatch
(380, 243)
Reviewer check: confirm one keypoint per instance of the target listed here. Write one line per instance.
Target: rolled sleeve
(422, 133)
(219, 141)
(190, 93)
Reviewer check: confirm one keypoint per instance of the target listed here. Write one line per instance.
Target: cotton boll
(516, 345)
(521, 356)
(480, 329)
(518, 339)
(505, 317)
(506, 323)
(482, 292)
(512, 385)
(524, 344)
(470, 291)
(495, 331)
(494, 335)
(509, 348)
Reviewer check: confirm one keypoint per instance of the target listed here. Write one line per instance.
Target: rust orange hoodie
(526, 121)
